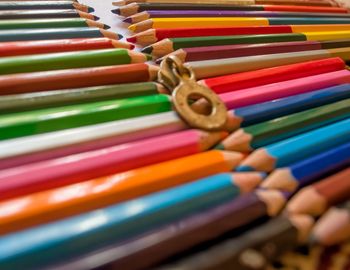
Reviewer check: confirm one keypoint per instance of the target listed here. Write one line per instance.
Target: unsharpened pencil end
(127, 20)
(131, 39)
(106, 27)
(147, 49)
(244, 168)
(116, 11)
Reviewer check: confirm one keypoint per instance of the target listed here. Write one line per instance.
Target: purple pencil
(155, 246)
(223, 13)
(240, 50)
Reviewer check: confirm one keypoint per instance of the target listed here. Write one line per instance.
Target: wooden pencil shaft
(42, 23)
(38, 5)
(41, 14)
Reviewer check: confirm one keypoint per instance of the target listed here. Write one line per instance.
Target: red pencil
(61, 45)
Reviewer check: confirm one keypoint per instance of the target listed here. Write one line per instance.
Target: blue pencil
(71, 237)
(61, 33)
(254, 114)
(308, 170)
(296, 148)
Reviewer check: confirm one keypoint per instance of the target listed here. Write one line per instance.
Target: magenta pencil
(255, 95)
(53, 173)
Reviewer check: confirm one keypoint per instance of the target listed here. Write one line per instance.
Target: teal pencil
(296, 148)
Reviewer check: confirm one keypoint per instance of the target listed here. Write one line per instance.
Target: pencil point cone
(219, 146)
(120, 36)
(96, 18)
(131, 39)
(132, 27)
(244, 169)
(91, 9)
(147, 50)
(106, 27)
(116, 11)
(132, 46)
(149, 57)
(127, 20)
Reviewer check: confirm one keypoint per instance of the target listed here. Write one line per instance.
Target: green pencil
(46, 120)
(46, 99)
(255, 136)
(49, 23)
(67, 60)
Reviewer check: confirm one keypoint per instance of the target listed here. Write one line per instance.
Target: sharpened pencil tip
(116, 11)
(106, 27)
(149, 57)
(219, 146)
(147, 50)
(127, 20)
(263, 175)
(131, 39)
(91, 9)
(244, 168)
(120, 36)
(96, 18)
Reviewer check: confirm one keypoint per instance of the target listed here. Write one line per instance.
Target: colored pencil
(37, 5)
(219, 67)
(45, 14)
(232, 2)
(260, 112)
(47, 99)
(229, 22)
(250, 249)
(115, 188)
(67, 60)
(153, 247)
(151, 36)
(237, 81)
(46, 120)
(167, 46)
(49, 23)
(150, 14)
(229, 51)
(252, 137)
(291, 150)
(315, 199)
(76, 78)
(333, 227)
(76, 168)
(121, 222)
(268, 92)
(60, 33)
(133, 8)
(72, 141)
(306, 171)
(60, 45)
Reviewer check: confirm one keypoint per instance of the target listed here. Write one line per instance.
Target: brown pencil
(333, 227)
(315, 199)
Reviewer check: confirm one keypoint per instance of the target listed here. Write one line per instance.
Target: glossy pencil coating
(299, 147)
(76, 78)
(280, 107)
(46, 120)
(60, 33)
(49, 23)
(237, 81)
(219, 67)
(45, 14)
(316, 199)
(24, 150)
(115, 188)
(252, 137)
(47, 99)
(133, 8)
(92, 164)
(37, 5)
(306, 171)
(67, 60)
(60, 45)
(120, 222)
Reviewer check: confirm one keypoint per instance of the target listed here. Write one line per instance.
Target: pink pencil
(254, 95)
(53, 173)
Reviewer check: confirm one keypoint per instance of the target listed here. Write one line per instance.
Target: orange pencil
(54, 204)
